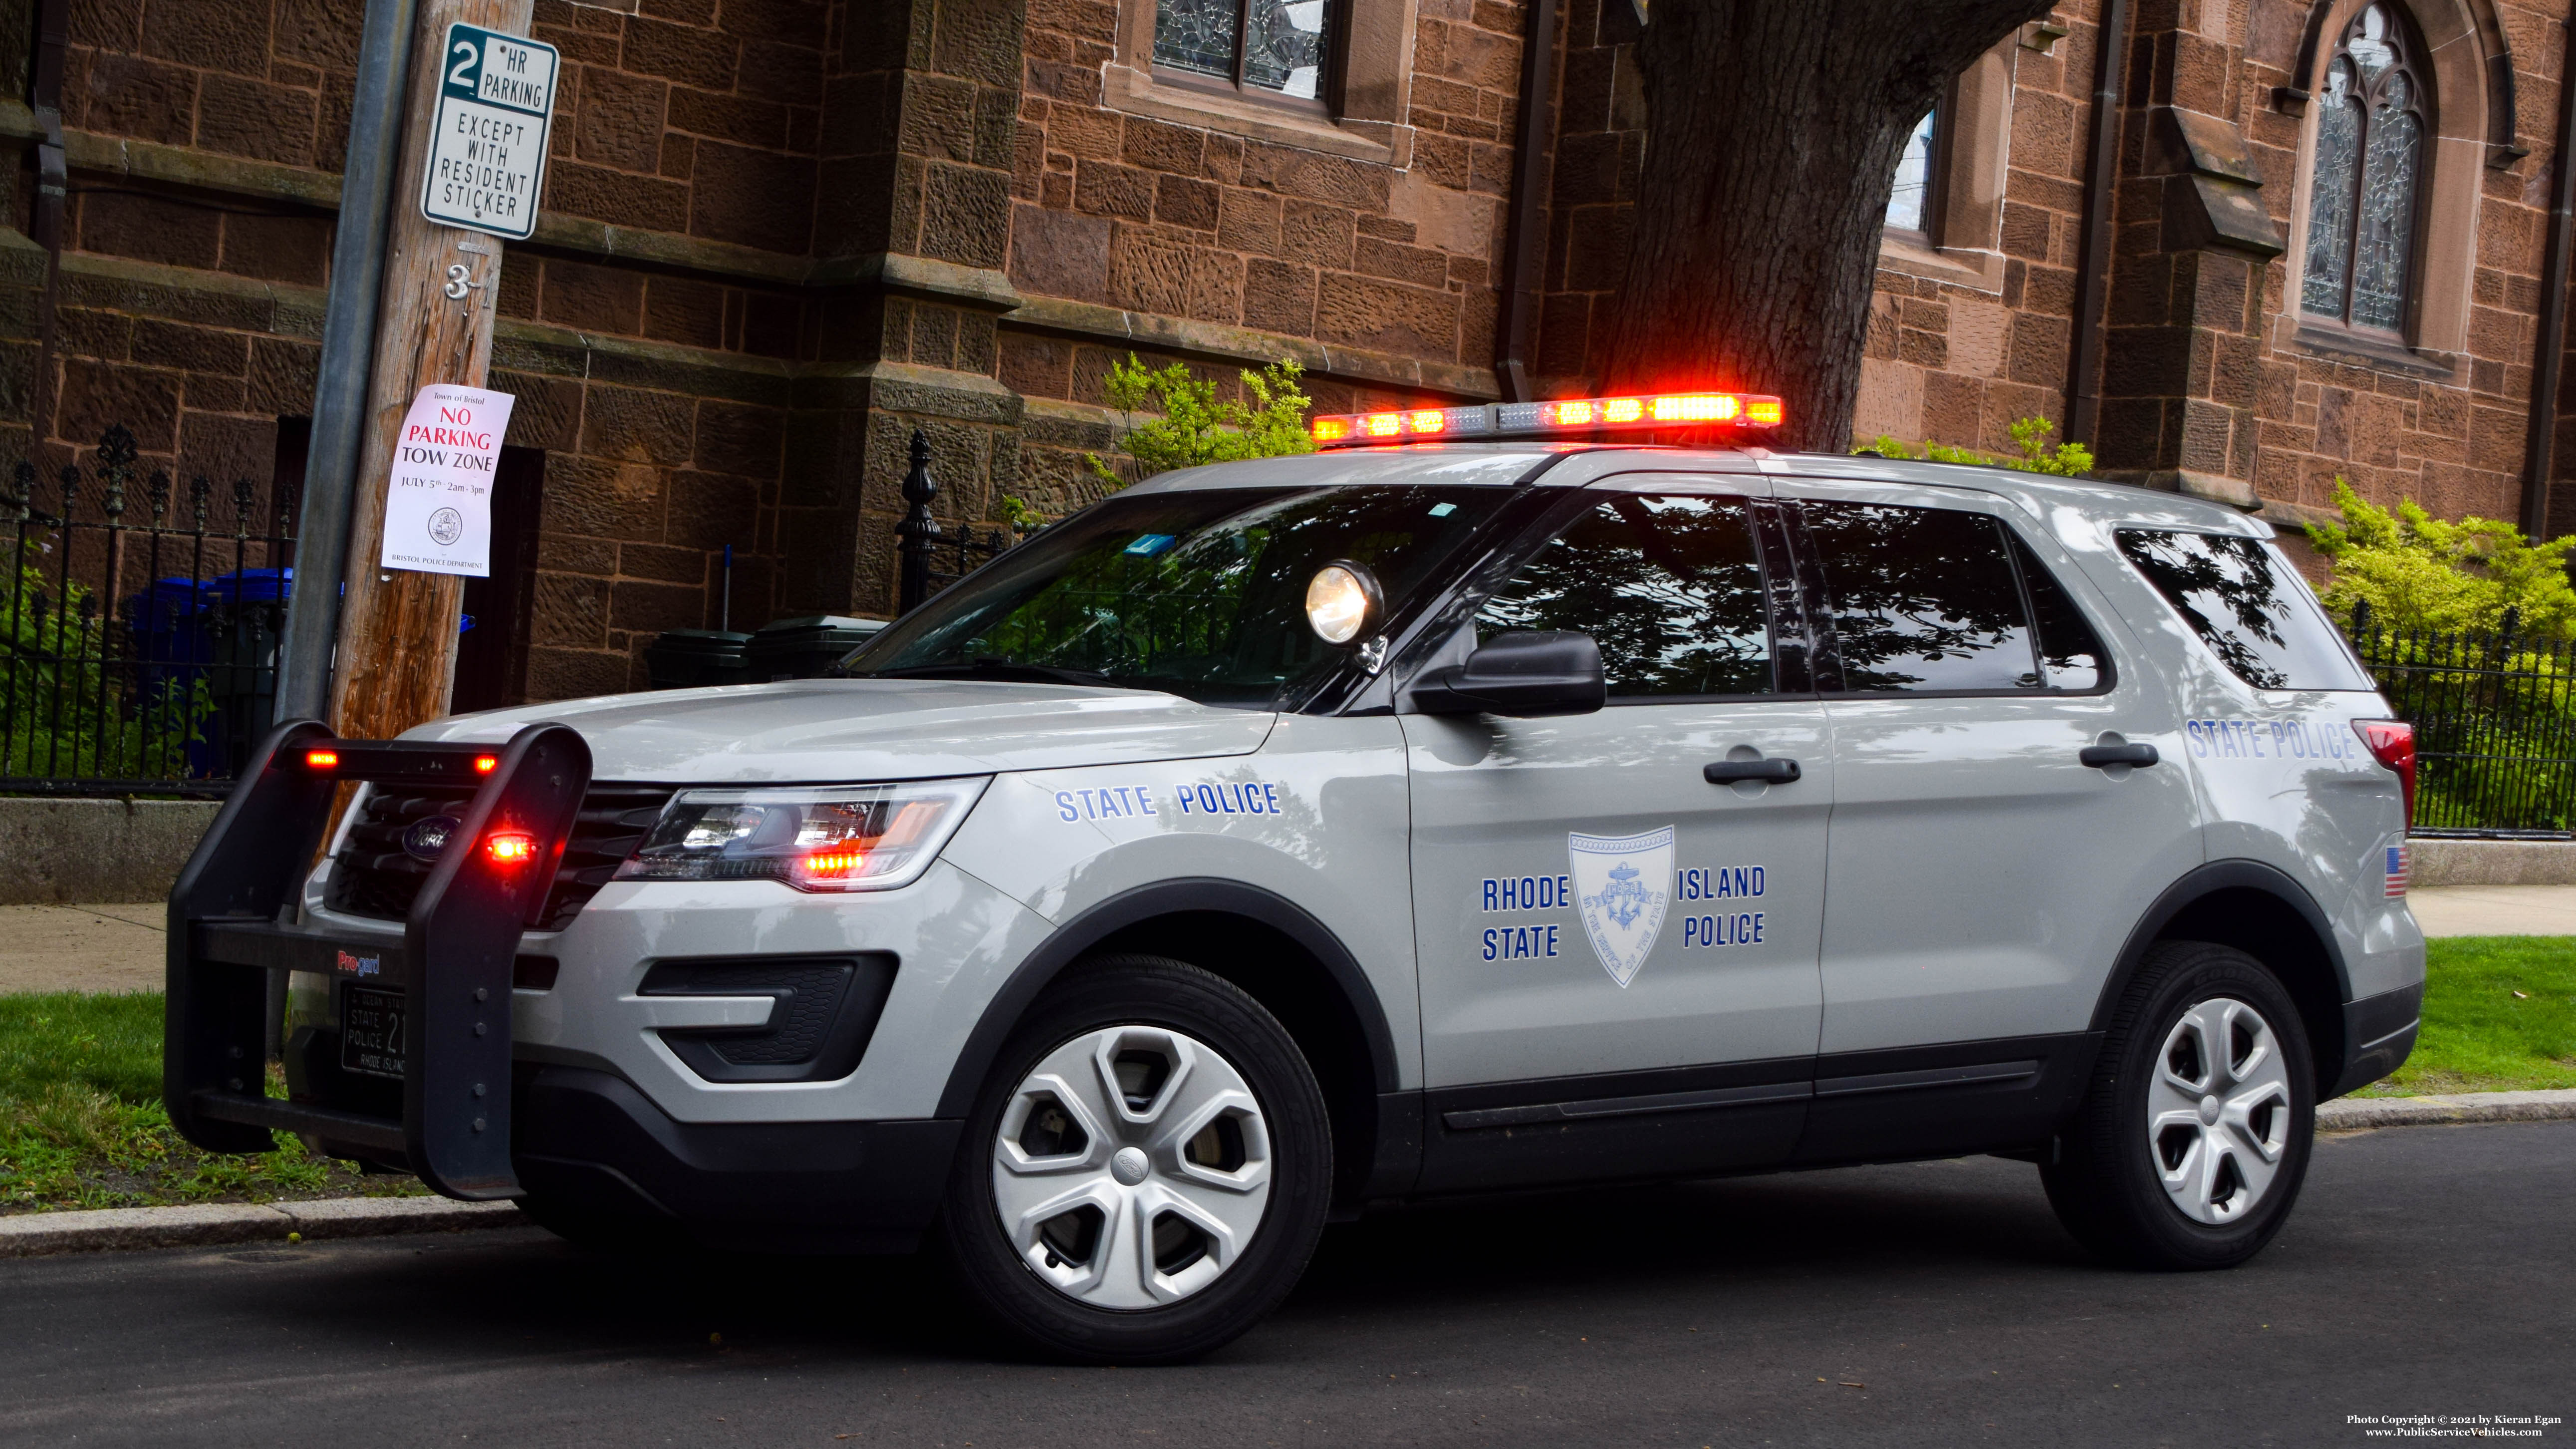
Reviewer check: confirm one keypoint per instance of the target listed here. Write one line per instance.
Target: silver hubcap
(1132, 1167)
(2218, 1115)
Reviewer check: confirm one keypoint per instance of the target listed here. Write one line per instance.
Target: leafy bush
(2066, 460)
(63, 712)
(2467, 630)
(2418, 573)
(1196, 426)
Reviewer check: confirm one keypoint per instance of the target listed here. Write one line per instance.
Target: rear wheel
(1146, 1170)
(2193, 1139)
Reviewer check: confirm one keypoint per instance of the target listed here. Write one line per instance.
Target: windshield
(1198, 593)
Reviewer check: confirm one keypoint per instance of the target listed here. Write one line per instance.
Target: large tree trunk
(1773, 133)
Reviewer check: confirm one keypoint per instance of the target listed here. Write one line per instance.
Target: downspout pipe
(2093, 277)
(348, 353)
(2540, 443)
(45, 99)
(1525, 236)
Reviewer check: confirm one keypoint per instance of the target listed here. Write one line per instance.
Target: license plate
(371, 1031)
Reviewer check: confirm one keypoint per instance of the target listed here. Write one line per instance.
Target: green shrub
(1196, 426)
(2467, 622)
(62, 712)
(2418, 573)
(2066, 460)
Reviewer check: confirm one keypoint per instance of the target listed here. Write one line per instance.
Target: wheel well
(1272, 968)
(2272, 931)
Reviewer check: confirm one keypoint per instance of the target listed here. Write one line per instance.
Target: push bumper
(2379, 1034)
(590, 1142)
(443, 998)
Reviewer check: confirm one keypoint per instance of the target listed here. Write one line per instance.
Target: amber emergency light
(1558, 418)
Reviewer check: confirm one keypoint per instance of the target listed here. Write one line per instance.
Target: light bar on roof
(1557, 418)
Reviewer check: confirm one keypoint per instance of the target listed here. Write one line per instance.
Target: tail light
(2392, 743)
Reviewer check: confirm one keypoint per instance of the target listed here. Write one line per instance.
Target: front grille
(374, 876)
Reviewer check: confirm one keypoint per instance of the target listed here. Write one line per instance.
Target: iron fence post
(918, 534)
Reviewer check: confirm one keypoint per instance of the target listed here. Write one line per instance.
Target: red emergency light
(1555, 418)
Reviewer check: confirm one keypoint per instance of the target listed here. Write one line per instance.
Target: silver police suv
(1281, 839)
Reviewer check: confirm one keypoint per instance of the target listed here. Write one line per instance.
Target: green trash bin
(691, 658)
(805, 647)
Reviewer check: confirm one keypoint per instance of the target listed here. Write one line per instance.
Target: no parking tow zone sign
(487, 149)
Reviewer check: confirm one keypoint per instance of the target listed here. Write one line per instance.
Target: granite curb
(2349, 1114)
(28, 1235)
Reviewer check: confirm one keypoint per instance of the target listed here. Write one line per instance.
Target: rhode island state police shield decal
(1622, 884)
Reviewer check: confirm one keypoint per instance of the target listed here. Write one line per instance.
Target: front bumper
(588, 1141)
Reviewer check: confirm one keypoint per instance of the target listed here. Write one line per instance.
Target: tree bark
(1773, 132)
(396, 657)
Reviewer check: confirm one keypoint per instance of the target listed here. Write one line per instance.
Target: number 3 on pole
(487, 147)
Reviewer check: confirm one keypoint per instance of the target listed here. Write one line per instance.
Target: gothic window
(2369, 167)
(1909, 203)
(1265, 47)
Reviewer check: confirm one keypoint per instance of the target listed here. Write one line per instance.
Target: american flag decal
(2396, 870)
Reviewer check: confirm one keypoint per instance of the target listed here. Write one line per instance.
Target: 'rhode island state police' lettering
(1719, 883)
(1528, 892)
(1519, 943)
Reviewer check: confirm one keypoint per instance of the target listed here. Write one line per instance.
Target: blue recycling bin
(224, 631)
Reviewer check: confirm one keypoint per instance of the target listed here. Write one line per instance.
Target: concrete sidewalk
(2495, 910)
(81, 948)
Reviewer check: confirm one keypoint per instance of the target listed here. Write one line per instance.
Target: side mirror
(1523, 675)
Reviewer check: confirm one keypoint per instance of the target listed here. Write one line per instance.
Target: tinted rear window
(2251, 610)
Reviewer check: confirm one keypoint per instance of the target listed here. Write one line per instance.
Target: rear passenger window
(2069, 651)
(1922, 599)
(1669, 587)
(2256, 615)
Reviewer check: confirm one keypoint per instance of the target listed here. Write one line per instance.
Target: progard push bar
(228, 930)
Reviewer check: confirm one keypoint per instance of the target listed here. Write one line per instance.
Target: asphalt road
(2429, 1271)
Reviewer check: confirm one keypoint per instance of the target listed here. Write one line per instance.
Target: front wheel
(1146, 1171)
(2193, 1140)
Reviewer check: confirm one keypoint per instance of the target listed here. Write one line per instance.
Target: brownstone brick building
(778, 235)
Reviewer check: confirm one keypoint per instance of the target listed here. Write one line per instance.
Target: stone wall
(2209, 382)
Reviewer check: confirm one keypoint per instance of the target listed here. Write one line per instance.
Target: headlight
(831, 838)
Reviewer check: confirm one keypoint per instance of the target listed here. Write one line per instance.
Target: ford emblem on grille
(426, 840)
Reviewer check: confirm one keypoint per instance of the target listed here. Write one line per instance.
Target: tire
(2148, 1176)
(1150, 1221)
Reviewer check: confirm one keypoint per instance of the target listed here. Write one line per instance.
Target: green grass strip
(2499, 1016)
(81, 1123)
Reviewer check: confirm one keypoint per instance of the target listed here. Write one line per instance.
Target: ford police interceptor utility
(1504, 797)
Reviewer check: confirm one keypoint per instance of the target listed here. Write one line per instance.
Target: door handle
(1767, 772)
(2104, 756)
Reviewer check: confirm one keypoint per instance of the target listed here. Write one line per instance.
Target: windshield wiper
(989, 667)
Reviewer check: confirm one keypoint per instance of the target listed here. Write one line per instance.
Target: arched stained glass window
(2369, 167)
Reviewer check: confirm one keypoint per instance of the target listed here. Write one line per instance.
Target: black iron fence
(2495, 726)
(138, 626)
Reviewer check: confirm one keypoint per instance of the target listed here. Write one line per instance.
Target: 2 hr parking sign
(487, 148)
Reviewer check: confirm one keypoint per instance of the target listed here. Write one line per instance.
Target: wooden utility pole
(396, 654)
